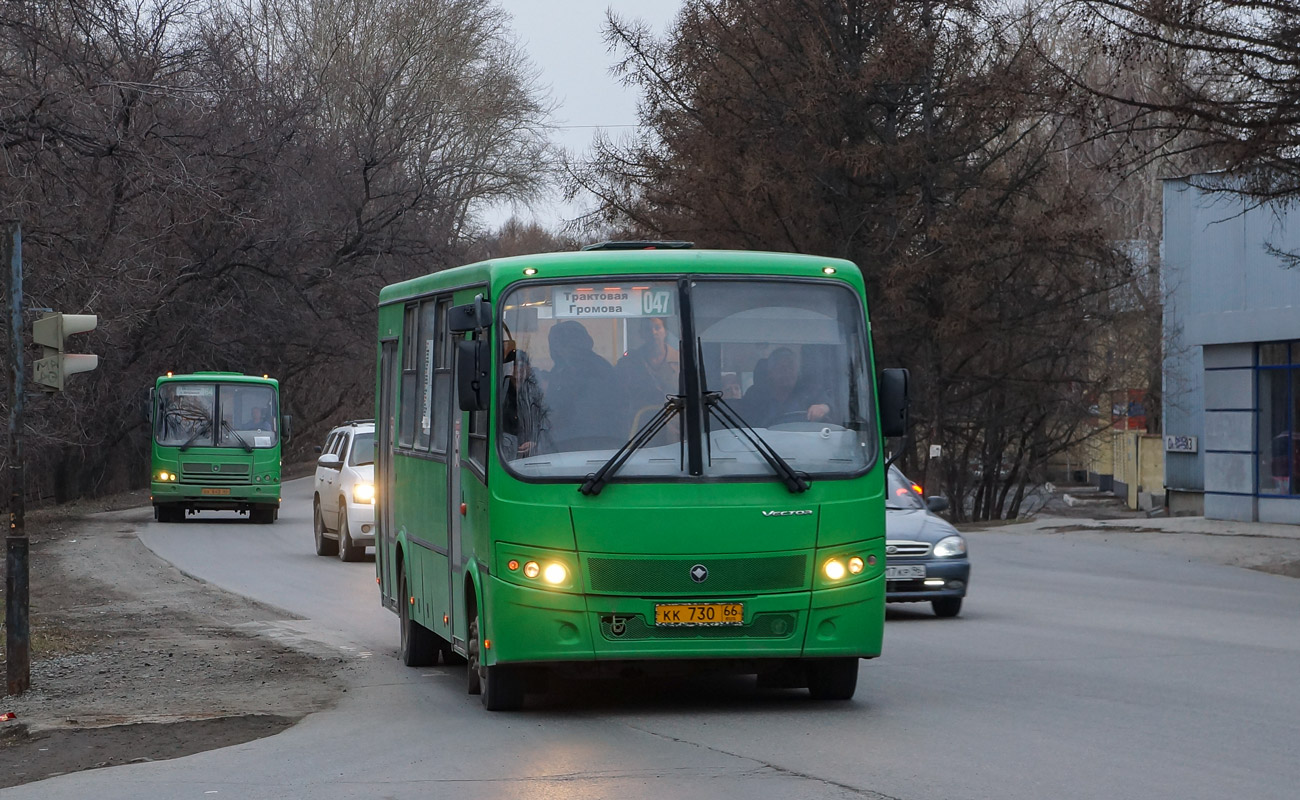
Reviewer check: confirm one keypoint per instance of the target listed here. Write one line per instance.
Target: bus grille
(764, 626)
(214, 473)
(645, 577)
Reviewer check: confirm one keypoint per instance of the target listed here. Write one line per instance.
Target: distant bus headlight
(834, 569)
(162, 476)
(364, 492)
(555, 574)
(950, 546)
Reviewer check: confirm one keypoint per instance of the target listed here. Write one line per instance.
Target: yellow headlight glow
(855, 565)
(834, 569)
(364, 492)
(555, 573)
(531, 570)
(162, 476)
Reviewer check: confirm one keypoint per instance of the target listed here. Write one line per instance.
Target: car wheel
(501, 688)
(946, 606)
(419, 645)
(324, 545)
(347, 550)
(833, 678)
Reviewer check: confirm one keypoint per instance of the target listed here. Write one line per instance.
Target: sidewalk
(1264, 546)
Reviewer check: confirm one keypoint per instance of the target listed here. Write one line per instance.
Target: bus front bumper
(214, 498)
(537, 625)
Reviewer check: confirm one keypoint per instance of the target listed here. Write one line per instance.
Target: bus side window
(442, 379)
(408, 413)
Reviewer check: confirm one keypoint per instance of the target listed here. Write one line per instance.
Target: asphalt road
(1077, 670)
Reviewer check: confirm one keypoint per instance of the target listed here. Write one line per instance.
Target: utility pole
(17, 630)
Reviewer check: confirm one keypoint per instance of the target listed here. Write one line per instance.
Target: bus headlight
(531, 570)
(855, 565)
(555, 574)
(834, 569)
(950, 546)
(364, 492)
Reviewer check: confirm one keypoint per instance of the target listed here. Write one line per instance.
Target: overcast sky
(564, 40)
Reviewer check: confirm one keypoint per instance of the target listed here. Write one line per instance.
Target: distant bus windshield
(587, 364)
(193, 414)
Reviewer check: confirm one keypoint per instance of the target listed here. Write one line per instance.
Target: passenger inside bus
(585, 406)
(524, 415)
(778, 395)
(258, 420)
(650, 372)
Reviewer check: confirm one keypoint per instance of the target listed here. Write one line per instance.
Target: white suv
(343, 508)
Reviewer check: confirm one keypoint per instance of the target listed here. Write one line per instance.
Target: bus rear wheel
(833, 678)
(419, 645)
(501, 688)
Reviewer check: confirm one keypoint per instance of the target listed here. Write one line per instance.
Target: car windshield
(186, 415)
(585, 366)
(363, 450)
(902, 495)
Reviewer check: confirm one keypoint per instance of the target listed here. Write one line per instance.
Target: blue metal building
(1232, 353)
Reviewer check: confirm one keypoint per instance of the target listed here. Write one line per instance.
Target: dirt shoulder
(133, 660)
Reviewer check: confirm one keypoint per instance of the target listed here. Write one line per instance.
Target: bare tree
(228, 187)
(922, 140)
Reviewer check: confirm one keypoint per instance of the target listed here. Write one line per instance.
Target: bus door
(386, 536)
(467, 491)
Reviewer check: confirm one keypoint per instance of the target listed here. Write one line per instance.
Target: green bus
(216, 445)
(635, 457)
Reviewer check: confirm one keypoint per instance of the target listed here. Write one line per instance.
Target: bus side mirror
(893, 402)
(286, 427)
(470, 316)
(148, 407)
(472, 375)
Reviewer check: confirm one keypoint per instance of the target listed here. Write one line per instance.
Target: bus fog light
(555, 574)
(531, 569)
(855, 565)
(834, 569)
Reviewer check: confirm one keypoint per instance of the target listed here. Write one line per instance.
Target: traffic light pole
(17, 630)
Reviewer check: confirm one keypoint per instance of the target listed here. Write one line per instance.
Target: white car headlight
(364, 492)
(950, 546)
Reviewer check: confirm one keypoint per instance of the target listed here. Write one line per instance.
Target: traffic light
(49, 331)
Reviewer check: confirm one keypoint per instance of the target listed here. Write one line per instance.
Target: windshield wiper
(795, 481)
(596, 481)
(207, 427)
(248, 447)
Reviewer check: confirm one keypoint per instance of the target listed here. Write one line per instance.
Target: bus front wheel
(833, 678)
(169, 513)
(501, 688)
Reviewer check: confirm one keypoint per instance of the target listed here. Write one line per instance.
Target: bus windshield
(587, 365)
(187, 415)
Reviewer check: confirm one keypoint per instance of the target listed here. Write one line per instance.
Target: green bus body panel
(633, 545)
(265, 461)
